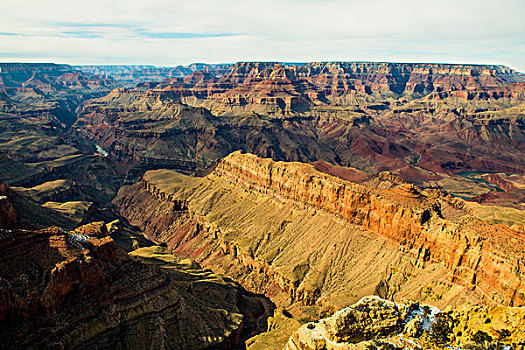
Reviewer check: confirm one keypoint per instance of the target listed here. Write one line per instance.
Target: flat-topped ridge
(15, 66)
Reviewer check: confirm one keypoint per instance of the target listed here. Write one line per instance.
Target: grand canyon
(262, 205)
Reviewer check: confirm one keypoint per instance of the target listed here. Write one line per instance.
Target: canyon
(226, 216)
(77, 290)
(369, 116)
(87, 289)
(261, 205)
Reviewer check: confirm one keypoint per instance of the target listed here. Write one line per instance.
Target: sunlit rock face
(415, 120)
(301, 236)
(375, 323)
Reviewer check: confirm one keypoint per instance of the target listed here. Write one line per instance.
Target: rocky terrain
(78, 289)
(130, 75)
(374, 323)
(415, 120)
(259, 205)
(57, 88)
(37, 108)
(286, 229)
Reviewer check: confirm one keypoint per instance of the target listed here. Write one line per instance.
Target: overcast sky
(172, 32)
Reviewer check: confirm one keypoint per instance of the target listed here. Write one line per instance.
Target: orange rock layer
(484, 257)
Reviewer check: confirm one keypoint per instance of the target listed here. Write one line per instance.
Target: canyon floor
(262, 205)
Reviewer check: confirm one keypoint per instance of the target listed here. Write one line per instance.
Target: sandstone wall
(484, 257)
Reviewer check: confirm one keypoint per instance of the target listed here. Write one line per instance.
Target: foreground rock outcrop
(77, 290)
(373, 323)
(302, 236)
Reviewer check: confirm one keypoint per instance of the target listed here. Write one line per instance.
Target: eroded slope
(78, 290)
(299, 235)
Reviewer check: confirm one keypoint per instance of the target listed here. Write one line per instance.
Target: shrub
(503, 334)
(441, 329)
(481, 337)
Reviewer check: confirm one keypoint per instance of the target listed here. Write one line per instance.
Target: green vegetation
(441, 329)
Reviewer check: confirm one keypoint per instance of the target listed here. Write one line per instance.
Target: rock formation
(286, 229)
(373, 323)
(414, 120)
(57, 87)
(78, 290)
(36, 151)
(131, 75)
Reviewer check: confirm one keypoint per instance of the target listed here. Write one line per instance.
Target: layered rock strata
(78, 290)
(286, 230)
(477, 253)
(136, 74)
(415, 120)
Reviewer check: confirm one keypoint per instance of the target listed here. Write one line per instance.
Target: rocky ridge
(474, 251)
(136, 74)
(78, 290)
(369, 116)
(285, 230)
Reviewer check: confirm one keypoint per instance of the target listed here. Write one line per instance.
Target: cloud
(93, 25)
(92, 30)
(171, 32)
(11, 34)
(180, 35)
(83, 34)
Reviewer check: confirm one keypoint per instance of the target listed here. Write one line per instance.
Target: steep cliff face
(298, 235)
(78, 290)
(484, 257)
(403, 78)
(414, 120)
(334, 79)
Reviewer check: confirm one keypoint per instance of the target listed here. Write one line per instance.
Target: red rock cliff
(484, 257)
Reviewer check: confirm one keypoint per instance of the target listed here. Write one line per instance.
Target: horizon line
(262, 61)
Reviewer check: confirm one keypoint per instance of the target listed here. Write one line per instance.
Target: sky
(173, 32)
